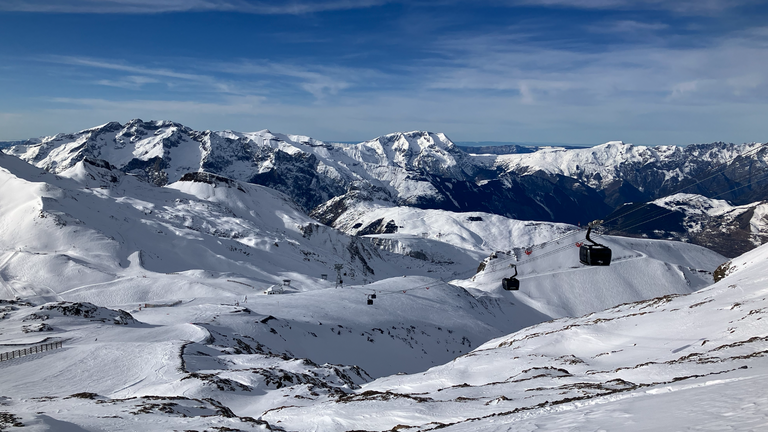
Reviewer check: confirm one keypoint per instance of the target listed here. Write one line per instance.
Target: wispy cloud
(129, 82)
(103, 64)
(628, 26)
(138, 76)
(235, 78)
(688, 7)
(713, 74)
(318, 80)
(295, 7)
(298, 7)
(232, 105)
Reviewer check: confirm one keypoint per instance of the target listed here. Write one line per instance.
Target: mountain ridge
(420, 169)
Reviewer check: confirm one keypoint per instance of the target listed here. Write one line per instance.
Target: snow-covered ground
(201, 346)
(694, 362)
(698, 210)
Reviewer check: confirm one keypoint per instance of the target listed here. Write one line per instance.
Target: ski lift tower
(339, 281)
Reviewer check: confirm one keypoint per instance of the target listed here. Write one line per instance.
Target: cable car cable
(717, 172)
(670, 211)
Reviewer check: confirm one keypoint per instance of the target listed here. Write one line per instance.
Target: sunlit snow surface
(694, 362)
(92, 238)
(696, 207)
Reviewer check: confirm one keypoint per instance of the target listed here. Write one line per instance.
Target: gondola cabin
(510, 284)
(594, 254)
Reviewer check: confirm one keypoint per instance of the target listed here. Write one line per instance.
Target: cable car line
(670, 211)
(665, 211)
(717, 171)
(597, 254)
(371, 297)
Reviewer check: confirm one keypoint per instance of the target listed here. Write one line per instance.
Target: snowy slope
(190, 262)
(671, 363)
(100, 223)
(719, 217)
(96, 235)
(104, 233)
(463, 239)
(553, 280)
(715, 224)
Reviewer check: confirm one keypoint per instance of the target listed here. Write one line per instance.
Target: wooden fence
(27, 351)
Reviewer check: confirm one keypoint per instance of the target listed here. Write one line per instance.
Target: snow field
(113, 241)
(638, 366)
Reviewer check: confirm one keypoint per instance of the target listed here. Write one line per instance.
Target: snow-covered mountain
(158, 295)
(716, 224)
(415, 168)
(625, 172)
(418, 169)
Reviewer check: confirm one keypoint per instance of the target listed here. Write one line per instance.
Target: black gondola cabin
(511, 283)
(594, 254)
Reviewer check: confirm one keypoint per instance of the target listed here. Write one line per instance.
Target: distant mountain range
(428, 171)
(499, 148)
(6, 144)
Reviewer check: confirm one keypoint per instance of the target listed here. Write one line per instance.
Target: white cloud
(128, 82)
(317, 80)
(679, 90)
(743, 84)
(733, 70)
(295, 7)
(138, 76)
(103, 64)
(166, 109)
(687, 7)
(230, 78)
(627, 26)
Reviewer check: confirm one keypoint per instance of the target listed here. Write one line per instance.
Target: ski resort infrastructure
(147, 278)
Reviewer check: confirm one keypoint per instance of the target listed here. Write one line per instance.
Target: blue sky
(568, 71)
